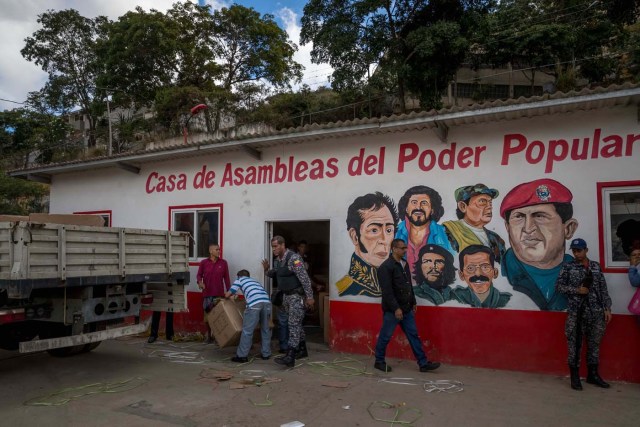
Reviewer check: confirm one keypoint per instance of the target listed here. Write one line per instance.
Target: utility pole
(110, 149)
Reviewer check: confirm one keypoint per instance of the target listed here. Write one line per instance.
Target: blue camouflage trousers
(294, 307)
(584, 323)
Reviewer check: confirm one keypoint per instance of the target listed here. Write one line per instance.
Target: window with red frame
(202, 222)
(619, 223)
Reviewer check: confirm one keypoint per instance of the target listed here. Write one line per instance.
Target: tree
(20, 197)
(400, 37)
(162, 50)
(572, 37)
(65, 48)
(251, 50)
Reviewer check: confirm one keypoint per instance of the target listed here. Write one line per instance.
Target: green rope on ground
(398, 412)
(58, 398)
(267, 402)
(339, 367)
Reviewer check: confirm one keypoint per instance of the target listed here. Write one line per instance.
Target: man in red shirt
(213, 280)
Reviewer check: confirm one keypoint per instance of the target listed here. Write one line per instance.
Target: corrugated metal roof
(439, 121)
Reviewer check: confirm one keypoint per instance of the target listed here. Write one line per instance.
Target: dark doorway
(316, 236)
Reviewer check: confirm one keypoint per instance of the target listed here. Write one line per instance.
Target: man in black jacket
(399, 307)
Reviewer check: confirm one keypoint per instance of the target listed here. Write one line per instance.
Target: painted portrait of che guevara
(434, 272)
(538, 216)
(371, 225)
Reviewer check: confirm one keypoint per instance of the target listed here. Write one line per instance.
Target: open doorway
(316, 254)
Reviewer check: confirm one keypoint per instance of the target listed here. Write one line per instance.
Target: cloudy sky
(18, 21)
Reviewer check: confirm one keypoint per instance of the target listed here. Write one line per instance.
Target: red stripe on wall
(530, 341)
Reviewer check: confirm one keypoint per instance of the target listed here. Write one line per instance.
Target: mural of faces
(478, 211)
(478, 272)
(419, 209)
(538, 221)
(537, 234)
(373, 241)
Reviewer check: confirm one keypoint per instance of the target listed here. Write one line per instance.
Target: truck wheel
(89, 347)
(57, 330)
(12, 335)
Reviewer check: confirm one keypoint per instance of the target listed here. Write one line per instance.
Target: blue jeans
(408, 326)
(283, 329)
(260, 312)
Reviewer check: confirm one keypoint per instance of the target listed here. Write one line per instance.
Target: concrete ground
(129, 382)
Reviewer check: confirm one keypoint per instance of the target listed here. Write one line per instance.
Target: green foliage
(20, 197)
(416, 44)
(227, 55)
(553, 37)
(29, 134)
(64, 47)
(173, 105)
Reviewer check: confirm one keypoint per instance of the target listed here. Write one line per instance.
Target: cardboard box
(326, 318)
(89, 220)
(225, 321)
(320, 305)
(13, 218)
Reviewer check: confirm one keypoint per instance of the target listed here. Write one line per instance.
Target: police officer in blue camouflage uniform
(588, 311)
(295, 283)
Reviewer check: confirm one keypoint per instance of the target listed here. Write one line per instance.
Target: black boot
(302, 352)
(575, 377)
(289, 360)
(594, 378)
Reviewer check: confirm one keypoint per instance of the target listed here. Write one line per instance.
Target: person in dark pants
(155, 325)
(588, 311)
(294, 282)
(398, 307)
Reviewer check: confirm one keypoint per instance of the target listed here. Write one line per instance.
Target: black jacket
(395, 284)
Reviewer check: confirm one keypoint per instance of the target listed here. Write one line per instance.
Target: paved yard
(129, 382)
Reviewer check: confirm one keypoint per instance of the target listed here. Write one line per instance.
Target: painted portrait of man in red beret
(539, 219)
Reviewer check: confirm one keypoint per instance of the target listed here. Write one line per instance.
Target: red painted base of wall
(530, 341)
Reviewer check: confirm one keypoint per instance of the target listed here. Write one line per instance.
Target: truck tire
(13, 334)
(56, 330)
(91, 346)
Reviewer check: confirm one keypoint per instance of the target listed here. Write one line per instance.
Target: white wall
(248, 207)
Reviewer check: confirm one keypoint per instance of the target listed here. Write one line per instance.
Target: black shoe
(430, 366)
(302, 352)
(289, 360)
(594, 378)
(170, 338)
(575, 377)
(265, 357)
(152, 339)
(282, 351)
(382, 366)
(239, 359)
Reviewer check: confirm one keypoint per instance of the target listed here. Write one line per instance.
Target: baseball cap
(465, 193)
(578, 244)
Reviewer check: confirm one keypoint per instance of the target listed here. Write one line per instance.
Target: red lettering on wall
(508, 147)
(332, 166)
(151, 188)
(301, 168)
(204, 178)
(558, 150)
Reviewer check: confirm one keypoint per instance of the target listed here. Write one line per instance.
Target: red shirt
(215, 276)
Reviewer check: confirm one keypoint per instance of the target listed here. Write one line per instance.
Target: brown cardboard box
(326, 318)
(13, 218)
(89, 220)
(225, 321)
(320, 305)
